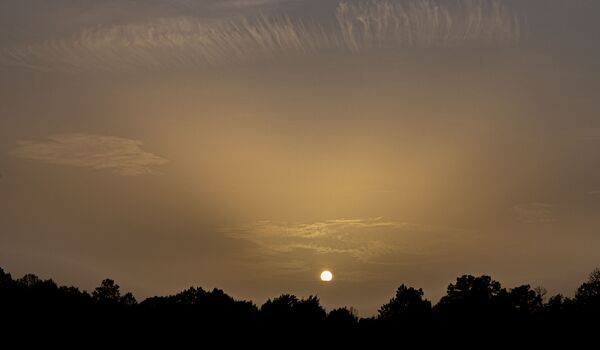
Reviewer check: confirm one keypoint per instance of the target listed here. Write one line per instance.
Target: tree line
(470, 303)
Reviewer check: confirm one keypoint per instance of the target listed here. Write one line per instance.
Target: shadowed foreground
(473, 308)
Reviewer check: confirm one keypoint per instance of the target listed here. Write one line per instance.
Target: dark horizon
(525, 298)
(474, 309)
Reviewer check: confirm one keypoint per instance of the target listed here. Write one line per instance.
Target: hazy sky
(250, 144)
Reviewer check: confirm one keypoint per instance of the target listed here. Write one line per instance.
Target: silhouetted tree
(525, 300)
(587, 297)
(407, 305)
(128, 300)
(472, 298)
(107, 293)
(280, 308)
(73, 298)
(6, 281)
(473, 305)
(558, 305)
(29, 280)
(287, 309)
(4, 276)
(309, 311)
(6, 289)
(197, 307)
(542, 292)
(342, 318)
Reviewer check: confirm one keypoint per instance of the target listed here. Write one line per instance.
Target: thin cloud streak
(355, 27)
(366, 240)
(530, 213)
(242, 4)
(120, 155)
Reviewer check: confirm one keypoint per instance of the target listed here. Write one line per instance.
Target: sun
(326, 276)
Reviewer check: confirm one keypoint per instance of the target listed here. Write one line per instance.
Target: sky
(249, 145)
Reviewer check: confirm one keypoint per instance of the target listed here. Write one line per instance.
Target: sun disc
(326, 276)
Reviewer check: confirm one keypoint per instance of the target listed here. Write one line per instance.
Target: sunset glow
(256, 146)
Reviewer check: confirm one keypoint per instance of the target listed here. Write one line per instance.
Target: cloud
(122, 156)
(367, 240)
(192, 42)
(534, 212)
(425, 23)
(241, 4)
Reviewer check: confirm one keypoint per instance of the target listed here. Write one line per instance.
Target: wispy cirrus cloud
(120, 155)
(355, 27)
(534, 212)
(366, 240)
(240, 4)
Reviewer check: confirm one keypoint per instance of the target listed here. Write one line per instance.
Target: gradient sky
(250, 144)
